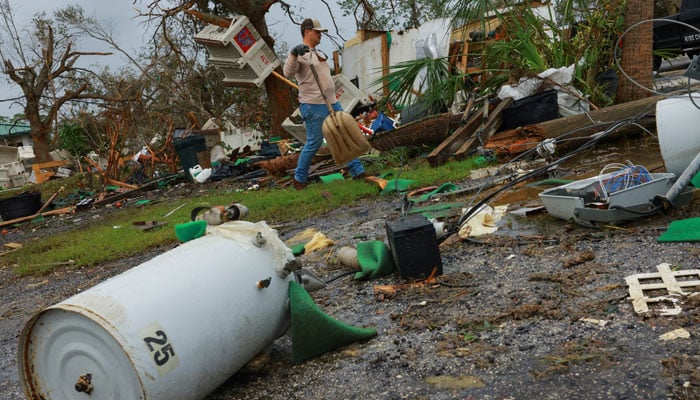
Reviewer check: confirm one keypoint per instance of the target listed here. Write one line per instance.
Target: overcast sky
(130, 32)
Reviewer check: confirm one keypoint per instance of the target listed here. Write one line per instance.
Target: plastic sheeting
(570, 100)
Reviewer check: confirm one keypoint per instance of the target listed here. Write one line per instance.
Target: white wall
(364, 60)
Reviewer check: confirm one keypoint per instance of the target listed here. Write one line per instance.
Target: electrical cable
(690, 95)
(340, 276)
(625, 177)
(618, 45)
(590, 143)
(652, 211)
(523, 155)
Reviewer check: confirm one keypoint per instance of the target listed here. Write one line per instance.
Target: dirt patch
(537, 310)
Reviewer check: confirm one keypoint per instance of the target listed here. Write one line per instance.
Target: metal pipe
(683, 180)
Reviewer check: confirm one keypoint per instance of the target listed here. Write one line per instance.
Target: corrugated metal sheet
(14, 129)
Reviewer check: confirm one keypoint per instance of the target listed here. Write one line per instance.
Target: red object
(366, 130)
(245, 39)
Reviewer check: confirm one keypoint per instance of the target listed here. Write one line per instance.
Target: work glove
(300, 50)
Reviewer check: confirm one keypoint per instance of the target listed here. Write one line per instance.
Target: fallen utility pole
(584, 125)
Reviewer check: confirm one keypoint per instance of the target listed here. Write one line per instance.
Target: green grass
(115, 237)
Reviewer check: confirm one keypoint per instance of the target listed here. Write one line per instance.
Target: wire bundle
(625, 177)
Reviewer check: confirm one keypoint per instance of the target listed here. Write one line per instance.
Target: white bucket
(173, 328)
(678, 128)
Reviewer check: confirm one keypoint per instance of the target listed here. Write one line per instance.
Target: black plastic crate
(414, 246)
(531, 110)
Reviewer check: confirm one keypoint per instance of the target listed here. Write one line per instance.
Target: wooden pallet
(668, 284)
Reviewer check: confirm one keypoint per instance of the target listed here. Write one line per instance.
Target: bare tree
(43, 64)
(280, 95)
(393, 14)
(164, 86)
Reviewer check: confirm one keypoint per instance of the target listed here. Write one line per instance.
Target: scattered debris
(217, 215)
(37, 284)
(318, 242)
(600, 322)
(512, 142)
(280, 165)
(679, 333)
(526, 211)
(348, 257)
(12, 247)
(483, 221)
(382, 292)
(169, 213)
(428, 131)
(455, 382)
(147, 225)
(578, 258)
(44, 171)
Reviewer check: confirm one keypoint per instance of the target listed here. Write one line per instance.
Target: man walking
(312, 105)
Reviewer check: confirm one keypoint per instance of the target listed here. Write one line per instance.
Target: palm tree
(636, 61)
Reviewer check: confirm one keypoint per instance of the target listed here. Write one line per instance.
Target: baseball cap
(312, 23)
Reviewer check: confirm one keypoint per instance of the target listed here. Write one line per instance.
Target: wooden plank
(484, 133)
(385, 64)
(65, 210)
(445, 149)
(48, 202)
(142, 188)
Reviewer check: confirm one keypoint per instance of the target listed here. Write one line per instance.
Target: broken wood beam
(130, 192)
(514, 141)
(48, 202)
(390, 290)
(26, 218)
(12, 247)
(477, 131)
(445, 149)
(484, 133)
(122, 184)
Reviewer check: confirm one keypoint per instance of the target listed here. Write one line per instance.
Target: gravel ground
(504, 321)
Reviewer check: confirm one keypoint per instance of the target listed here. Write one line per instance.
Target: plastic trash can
(187, 149)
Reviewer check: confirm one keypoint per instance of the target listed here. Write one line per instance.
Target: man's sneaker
(299, 185)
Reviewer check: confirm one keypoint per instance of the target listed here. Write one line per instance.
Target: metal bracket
(693, 71)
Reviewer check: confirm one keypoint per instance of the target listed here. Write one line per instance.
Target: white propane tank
(677, 121)
(172, 328)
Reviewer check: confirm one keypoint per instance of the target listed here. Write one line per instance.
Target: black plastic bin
(531, 110)
(187, 149)
(414, 246)
(22, 205)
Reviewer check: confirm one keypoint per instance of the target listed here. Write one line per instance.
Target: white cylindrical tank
(677, 122)
(174, 327)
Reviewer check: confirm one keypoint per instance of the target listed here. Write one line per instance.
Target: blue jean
(313, 115)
